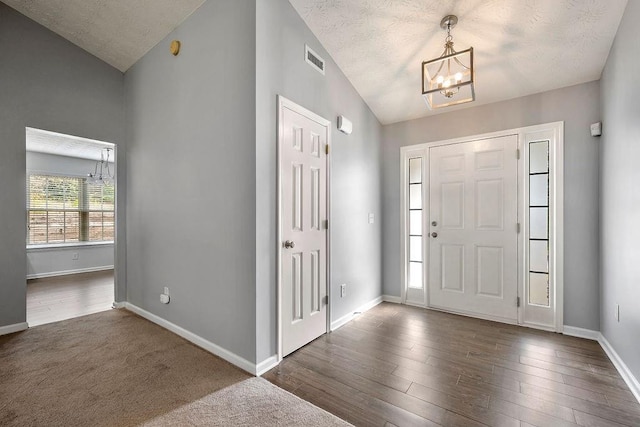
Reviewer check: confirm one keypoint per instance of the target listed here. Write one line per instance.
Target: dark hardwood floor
(405, 366)
(64, 297)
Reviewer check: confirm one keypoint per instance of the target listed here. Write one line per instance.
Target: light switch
(371, 218)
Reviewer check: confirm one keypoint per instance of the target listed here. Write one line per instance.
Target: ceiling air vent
(313, 59)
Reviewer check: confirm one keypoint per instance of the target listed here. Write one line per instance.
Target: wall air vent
(314, 59)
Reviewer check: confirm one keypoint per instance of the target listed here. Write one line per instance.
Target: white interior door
(303, 256)
(473, 241)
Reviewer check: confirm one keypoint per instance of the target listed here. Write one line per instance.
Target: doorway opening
(71, 226)
(482, 223)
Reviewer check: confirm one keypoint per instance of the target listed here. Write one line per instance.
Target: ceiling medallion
(449, 79)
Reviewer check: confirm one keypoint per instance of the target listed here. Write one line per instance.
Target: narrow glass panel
(95, 226)
(415, 275)
(539, 190)
(539, 289)
(539, 157)
(56, 227)
(538, 223)
(37, 227)
(539, 256)
(415, 196)
(415, 223)
(108, 226)
(415, 171)
(72, 226)
(415, 248)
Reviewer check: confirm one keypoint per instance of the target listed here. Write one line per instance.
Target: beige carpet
(252, 402)
(117, 369)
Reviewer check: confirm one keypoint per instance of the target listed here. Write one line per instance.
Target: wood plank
(396, 365)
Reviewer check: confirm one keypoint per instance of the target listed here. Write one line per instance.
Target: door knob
(434, 234)
(289, 244)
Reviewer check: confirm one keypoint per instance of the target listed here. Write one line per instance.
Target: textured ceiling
(43, 141)
(520, 47)
(117, 31)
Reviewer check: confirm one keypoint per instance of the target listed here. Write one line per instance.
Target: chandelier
(102, 174)
(449, 79)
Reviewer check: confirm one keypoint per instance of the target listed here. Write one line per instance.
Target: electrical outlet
(618, 312)
(75, 256)
(343, 290)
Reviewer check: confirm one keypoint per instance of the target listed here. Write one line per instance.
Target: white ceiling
(44, 141)
(521, 47)
(117, 31)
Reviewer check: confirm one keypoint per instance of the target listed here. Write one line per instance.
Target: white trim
(392, 299)
(70, 246)
(286, 103)
(589, 334)
(67, 272)
(622, 368)
(267, 365)
(16, 327)
(120, 304)
(555, 130)
(349, 317)
(195, 339)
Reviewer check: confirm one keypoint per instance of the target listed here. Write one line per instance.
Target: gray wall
(190, 127)
(355, 166)
(577, 106)
(620, 196)
(47, 83)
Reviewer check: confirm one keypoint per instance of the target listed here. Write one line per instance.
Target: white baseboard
(66, 272)
(622, 367)
(348, 317)
(16, 327)
(266, 365)
(195, 339)
(390, 298)
(589, 334)
(120, 304)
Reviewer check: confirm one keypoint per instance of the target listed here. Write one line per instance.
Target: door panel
(303, 182)
(473, 246)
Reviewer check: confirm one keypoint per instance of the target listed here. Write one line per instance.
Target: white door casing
(303, 138)
(473, 217)
(532, 312)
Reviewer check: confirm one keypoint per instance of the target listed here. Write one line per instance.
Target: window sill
(74, 245)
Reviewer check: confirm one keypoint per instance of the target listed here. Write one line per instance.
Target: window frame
(83, 211)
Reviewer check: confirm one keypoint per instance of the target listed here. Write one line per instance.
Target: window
(63, 209)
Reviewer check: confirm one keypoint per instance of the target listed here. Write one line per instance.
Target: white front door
(303, 139)
(472, 229)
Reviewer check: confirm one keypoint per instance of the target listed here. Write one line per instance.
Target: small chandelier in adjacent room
(448, 80)
(102, 174)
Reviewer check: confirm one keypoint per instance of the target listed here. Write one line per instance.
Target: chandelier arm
(435, 76)
(461, 64)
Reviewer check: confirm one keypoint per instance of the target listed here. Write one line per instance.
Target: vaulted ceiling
(521, 46)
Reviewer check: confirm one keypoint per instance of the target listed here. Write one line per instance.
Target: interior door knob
(434, 234)
(289, 244)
